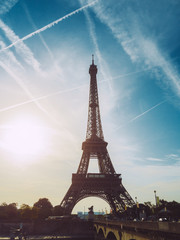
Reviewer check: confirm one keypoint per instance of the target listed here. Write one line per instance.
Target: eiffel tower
(106, 184)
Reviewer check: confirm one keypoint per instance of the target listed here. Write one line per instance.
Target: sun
(25, 136)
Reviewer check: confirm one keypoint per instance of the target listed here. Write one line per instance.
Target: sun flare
(24, 137)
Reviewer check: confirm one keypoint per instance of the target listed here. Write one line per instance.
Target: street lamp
(136, 208)
(155, 197)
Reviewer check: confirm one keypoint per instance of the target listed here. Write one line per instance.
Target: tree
(8, 211)
(58, 211)
(172, 207)
(44, 207)
(3, 211)
(35, 213)
(12, 211)
(25, 212)
(43, 203)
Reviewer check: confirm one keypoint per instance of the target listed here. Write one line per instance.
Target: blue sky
(46, 49)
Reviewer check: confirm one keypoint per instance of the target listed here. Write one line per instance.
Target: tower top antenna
(92, 59)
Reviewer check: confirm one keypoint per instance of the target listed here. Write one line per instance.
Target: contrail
(23, 86)
(9, 57)
(102, 63)
(140, 115)
(7, 5)
(39, 98)
(125, 75)
(64, 91)
(133, 73)
(35, 28)
(21, 48)
(49, 25)
(15, 77)
(136, 72)
(147, 111)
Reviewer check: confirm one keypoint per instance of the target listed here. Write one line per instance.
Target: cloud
(173, 157)
(35, 28)
(154, 159)
(11, 65)
(140, 115)
(48, 25)
(21, 48)
(102, 64)
(142, 48)
(9, 57)
(153, 56)
(167, 160)
(14, 68)
(150, 109)
(38, 98)
(6, 5)
(14, 74)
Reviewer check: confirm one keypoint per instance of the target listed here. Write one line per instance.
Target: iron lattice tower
(106, 184)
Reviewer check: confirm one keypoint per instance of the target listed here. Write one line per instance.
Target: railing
(109, 178)
(163, 228)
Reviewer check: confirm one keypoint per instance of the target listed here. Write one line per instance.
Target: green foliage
(40, 210)
(58, 211)
(35, 213)
(43, 203)
(8, 211)
(44, 208)
(25, 212)
(173, 208)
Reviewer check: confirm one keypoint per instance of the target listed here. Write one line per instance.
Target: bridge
(130, 230)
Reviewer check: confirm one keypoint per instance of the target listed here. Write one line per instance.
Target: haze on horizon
(45, 53)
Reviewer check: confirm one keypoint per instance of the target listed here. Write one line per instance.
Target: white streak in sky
(136, 72)
(101, 61)
(13, 70)
(142, 114)
(28, 93)
(11, 65)
(21, 48)
(49, 25)
(128, 74)
(57, 67)
(6, 5)
(69, 90)
(35, 28)
(154, 57)
(8, 56)
(40, 98)
(16, 78)
(126, 28)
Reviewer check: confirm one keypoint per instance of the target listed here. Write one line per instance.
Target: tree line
(164, 208)
(43, 209)
(39, 211)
